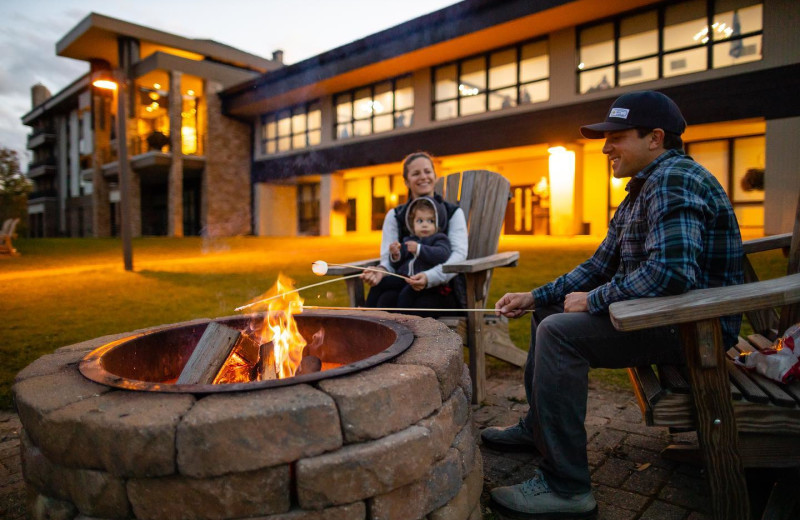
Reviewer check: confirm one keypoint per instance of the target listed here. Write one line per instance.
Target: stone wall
(395, 441)
(226, 192)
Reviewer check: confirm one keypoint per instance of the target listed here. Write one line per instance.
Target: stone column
(226, 187)
(101, 205)
(175, 181)
(332, 220)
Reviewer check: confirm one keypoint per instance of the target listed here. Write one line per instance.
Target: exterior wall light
(562, 191)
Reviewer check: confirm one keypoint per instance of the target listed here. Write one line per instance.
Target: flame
(280, 327)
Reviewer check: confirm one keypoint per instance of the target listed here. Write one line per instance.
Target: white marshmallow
(319, 268)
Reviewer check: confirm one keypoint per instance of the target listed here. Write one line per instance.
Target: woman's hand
(514, 305)
(418, 282)
(373, 275)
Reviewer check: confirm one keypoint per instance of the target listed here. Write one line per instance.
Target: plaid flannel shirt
(679, 232)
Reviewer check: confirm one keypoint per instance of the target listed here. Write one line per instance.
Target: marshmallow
(319, 268)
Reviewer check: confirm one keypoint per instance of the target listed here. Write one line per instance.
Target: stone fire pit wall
(394, 441)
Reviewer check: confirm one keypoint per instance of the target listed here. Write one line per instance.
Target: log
(309, 365)
(266, 363)
(209, 356)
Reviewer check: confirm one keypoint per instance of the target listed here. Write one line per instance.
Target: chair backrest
(482, 196)
(6, 227)
(790, 314)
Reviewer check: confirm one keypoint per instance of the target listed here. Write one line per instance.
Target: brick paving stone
(620, 499)
(648, 481)
(614, 472)
(659, 510)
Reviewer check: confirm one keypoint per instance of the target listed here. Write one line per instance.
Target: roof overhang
(453, 32)
(96, 36)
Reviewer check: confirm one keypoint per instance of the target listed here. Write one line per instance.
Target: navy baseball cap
(644, 109)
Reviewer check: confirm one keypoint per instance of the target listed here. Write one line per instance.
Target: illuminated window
(496, 80)
(669, 40)
(291, 129)
(375, 108)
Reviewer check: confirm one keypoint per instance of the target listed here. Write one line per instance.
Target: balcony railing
(41, 194)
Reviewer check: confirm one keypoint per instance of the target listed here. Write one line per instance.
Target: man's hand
(373, 276)
(418, 282)
(514, 305)
(411, 246)
(576, 302)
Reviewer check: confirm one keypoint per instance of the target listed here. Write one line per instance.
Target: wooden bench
(742, 419)
(7, 234)
(483, 197)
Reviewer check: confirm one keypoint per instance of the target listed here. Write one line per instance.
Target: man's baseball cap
(643, 109)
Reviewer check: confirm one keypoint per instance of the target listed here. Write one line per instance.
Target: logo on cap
(621, 113)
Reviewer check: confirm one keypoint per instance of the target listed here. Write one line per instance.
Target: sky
(29, 30)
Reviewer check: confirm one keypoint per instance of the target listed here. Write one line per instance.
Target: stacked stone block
(395, 441)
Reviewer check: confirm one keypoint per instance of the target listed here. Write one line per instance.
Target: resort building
(189, 165)
(314, 148)
(504, 86)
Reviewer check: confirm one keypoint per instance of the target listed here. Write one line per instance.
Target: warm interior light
(156, 86)
(190, 92)
(153, 95)
(562, 191)
(105, 84)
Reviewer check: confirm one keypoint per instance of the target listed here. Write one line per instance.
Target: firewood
(210, 354)
(266, 363)
(314, 348)
(309, 365)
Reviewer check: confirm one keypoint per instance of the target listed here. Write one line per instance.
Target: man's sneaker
(512, 438)
(534, 499)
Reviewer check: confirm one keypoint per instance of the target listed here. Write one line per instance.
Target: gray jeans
(563, 348)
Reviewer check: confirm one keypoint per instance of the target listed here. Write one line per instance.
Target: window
(376, 108)
(738, 164)
(496, 80)
(291, 129)
(668, 40)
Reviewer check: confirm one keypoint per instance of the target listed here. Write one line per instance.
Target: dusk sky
(29, 30)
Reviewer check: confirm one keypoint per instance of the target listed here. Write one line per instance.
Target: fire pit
(389, 436)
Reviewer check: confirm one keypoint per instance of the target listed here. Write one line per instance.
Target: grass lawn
(63, 291)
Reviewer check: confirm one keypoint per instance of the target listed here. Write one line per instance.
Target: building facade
(221, 142)
(189, 165)
(504, 86)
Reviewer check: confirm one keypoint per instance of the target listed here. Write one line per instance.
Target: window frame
(292, 111)
(487, 91)
(616, 63)
(394, 113)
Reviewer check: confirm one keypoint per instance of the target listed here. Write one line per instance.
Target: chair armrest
(702, 304)
(767, 243)
(343, 271)
(474, 265)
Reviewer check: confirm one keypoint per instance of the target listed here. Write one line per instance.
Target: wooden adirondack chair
(483, 197)
(742, 419)
(7, 234)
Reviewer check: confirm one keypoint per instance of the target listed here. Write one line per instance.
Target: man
(675, 231)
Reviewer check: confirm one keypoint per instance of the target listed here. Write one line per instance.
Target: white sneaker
(534, 499)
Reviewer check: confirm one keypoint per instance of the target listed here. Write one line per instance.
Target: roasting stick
(397, 309)
(320, 268)
(294, 291)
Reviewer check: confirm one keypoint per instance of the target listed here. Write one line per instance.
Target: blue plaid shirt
(674, 231)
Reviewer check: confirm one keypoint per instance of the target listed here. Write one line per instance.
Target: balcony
(42, 194)
(41, 137)
(42, 168)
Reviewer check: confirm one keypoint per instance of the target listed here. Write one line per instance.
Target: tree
(14, 189)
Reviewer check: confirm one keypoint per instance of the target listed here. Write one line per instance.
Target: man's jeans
(563, 347)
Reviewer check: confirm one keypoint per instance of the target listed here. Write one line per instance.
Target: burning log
(210, 355)
(266, 364)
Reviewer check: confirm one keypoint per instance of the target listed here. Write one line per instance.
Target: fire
(274, 348)
(280, 327)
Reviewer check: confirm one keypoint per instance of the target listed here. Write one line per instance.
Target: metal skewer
(314, 265)
(398, 309)
(294, 291)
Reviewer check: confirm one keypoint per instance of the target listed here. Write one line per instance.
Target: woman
(420, 177)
